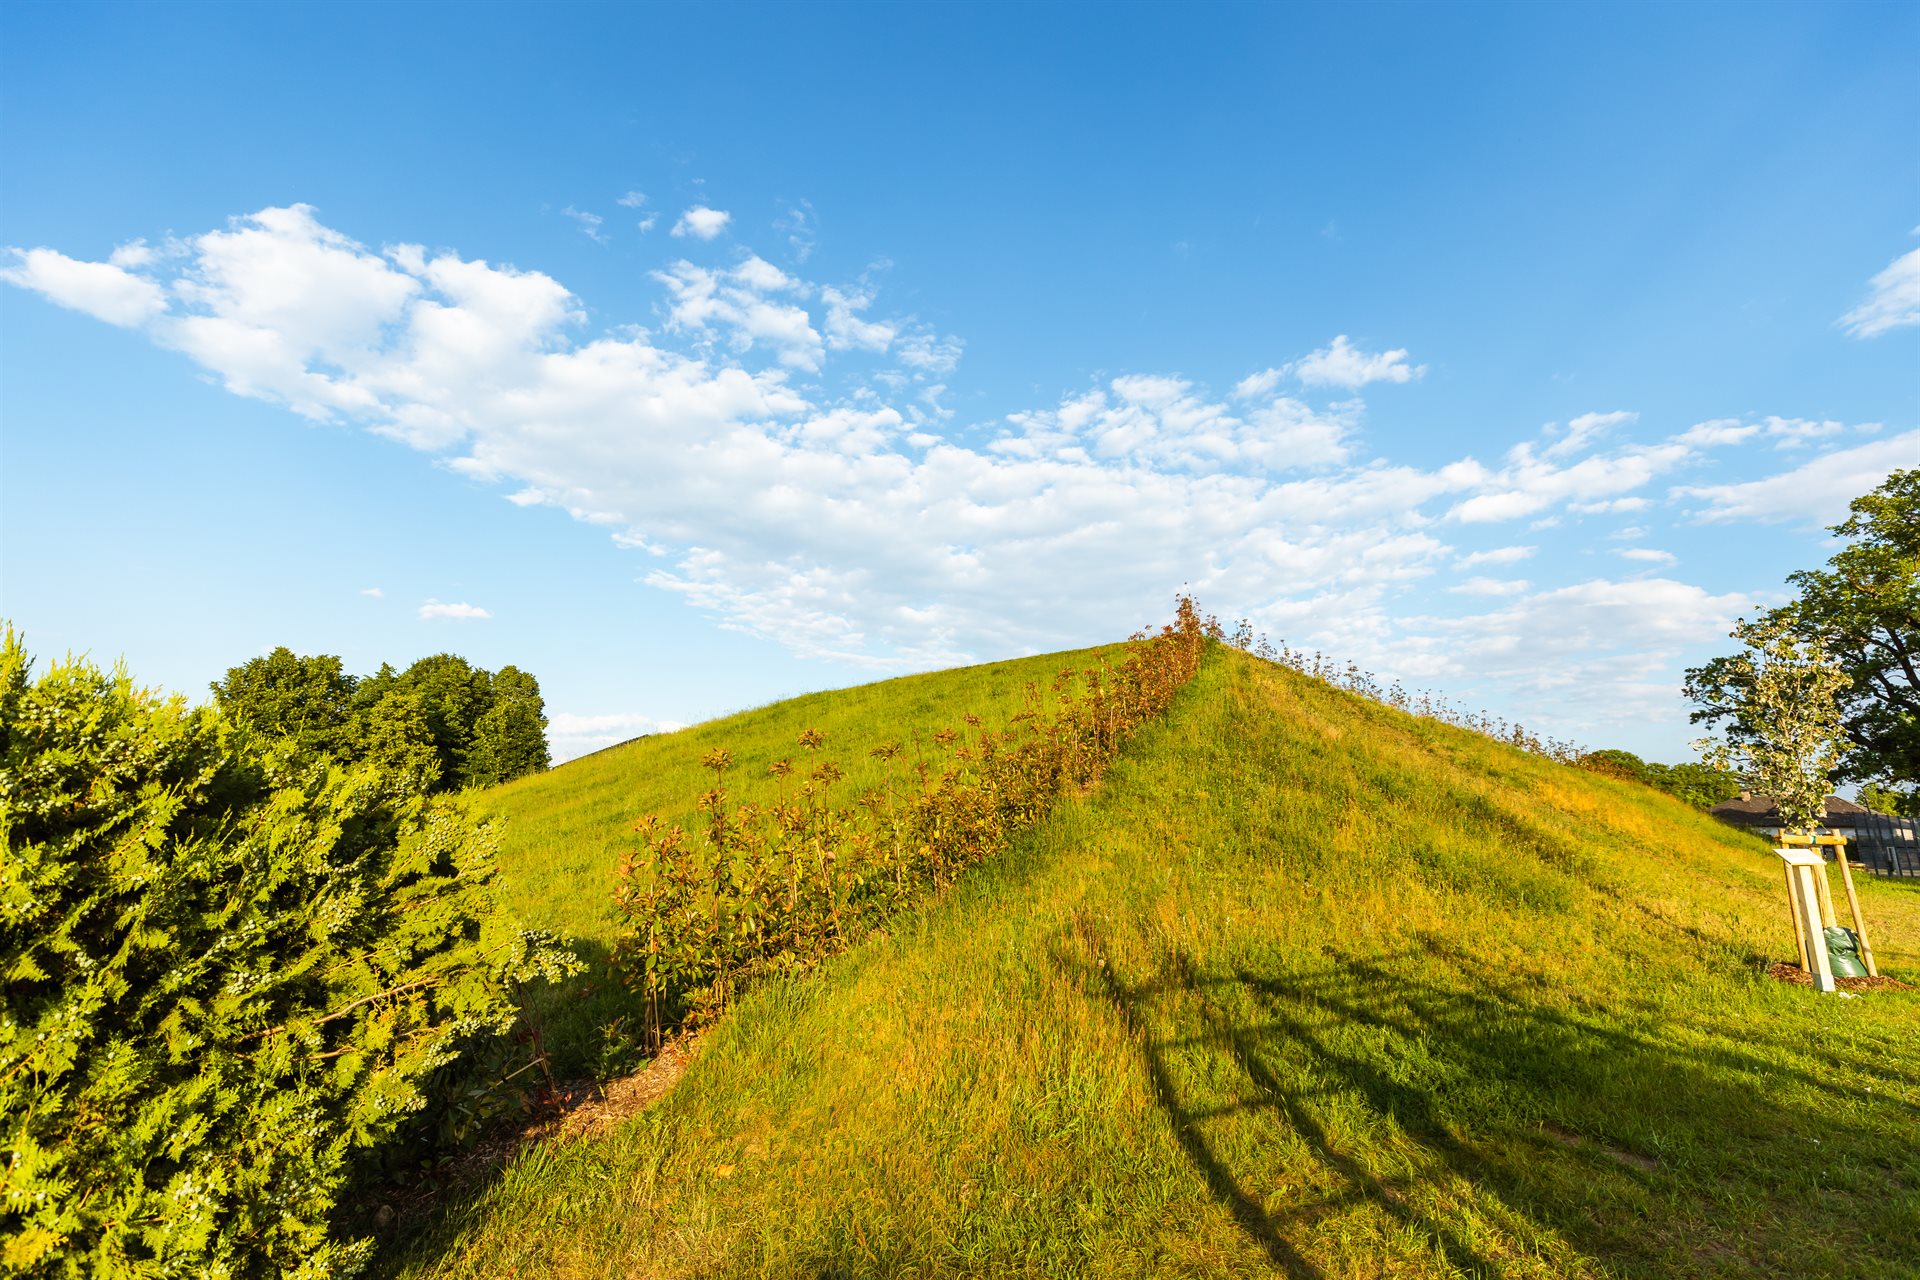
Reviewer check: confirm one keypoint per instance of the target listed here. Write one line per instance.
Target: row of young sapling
(777, 888)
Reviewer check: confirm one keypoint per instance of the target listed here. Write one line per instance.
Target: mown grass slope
(1306, 987)
(562, 833)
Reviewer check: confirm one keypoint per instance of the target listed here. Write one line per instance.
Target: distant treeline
(442, 721)
(1700, 785)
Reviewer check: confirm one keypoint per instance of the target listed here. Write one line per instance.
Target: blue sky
(716, 353)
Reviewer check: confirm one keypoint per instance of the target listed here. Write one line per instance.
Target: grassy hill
(1306, 986)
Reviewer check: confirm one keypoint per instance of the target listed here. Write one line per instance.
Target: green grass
(1306, 987)
(563, 833)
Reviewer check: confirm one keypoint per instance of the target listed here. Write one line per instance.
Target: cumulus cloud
(745, 304)
(1341, 364)
(1614, 646)
(461, 612)
(106, 291)
(1479, 586)
(570, 736)
(1815, 492)
(1647, 555)
(1893, 300)
(702, 223)
(846, 517)
(374, 592)
(1587, 428)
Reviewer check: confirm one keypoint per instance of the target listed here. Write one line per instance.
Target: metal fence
(1886, 846)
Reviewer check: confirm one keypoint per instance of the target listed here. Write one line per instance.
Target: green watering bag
(1843, 953)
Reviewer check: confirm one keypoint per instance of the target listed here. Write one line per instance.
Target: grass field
(1306, 987)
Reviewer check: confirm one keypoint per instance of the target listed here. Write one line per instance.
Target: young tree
(1864, 606)
(1784, 735)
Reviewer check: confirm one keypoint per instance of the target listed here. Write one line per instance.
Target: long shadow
(1498, 1066)
(577, 1024)
(1275, 1095)
(1247, 1211)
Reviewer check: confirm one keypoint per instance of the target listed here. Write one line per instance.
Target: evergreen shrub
(230, 970)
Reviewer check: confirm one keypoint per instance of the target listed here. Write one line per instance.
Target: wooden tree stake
(1793, 914)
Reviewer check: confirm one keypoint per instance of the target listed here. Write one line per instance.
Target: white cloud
(1341, 364)
(570, 736)
(846, 331)
(1529, 483)
(1815, 492)
(1498, 555)
(929, 353)
(843, 516)
(133, 255)
(1612, 506)
(104, 290)
(1647, 555)
(1587, 428)
(1785, 433)
(740, 301)
(702, 223)
(589, 224)
(1255, 385)
(632, 200)
(375, 592)
(1492, 587)
(461, 612)
(1892, 303)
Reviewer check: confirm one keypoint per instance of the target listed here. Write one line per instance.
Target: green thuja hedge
(229, 971)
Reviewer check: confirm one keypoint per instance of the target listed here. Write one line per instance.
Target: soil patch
(1784, 972)
(573, 1109)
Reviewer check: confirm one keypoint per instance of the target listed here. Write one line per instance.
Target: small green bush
(228, 970)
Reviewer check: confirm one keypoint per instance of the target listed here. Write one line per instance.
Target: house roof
(1762, 811)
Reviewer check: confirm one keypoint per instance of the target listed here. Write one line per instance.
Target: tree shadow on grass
(588, 1027)
(1534, 1124)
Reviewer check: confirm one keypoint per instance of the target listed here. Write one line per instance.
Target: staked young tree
(1784, 735)
(1864, 609)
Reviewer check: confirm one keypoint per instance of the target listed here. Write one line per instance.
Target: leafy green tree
(307, 700)
(454, 694)
(1700, 785)
(510, 740)
(1781, 706)
(229, 968)
(442, 721)
(1864, 608)
(1885, 799)
(396, 736)
(1615, 764)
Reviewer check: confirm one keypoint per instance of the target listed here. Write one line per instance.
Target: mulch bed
(1784, 972)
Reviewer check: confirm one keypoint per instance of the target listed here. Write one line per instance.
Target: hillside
(1305, 986)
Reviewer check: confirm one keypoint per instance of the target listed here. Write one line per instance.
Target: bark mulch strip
(1784, 972)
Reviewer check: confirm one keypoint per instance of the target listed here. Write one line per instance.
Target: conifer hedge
(228, 972)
